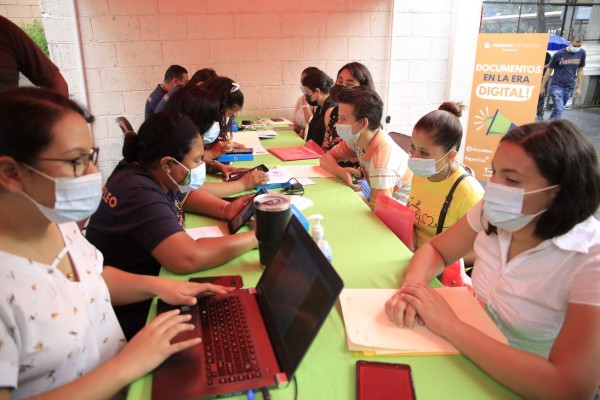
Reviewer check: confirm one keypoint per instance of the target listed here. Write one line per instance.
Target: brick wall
(263, 44)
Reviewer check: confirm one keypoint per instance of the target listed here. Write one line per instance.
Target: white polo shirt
(528, 296)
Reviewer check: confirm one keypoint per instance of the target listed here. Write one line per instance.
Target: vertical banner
(506, 86)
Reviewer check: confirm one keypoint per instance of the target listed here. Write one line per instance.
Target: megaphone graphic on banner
(498, 124)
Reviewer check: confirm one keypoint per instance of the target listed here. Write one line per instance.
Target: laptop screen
(296, 293)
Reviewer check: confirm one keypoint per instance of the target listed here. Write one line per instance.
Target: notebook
(284, 313)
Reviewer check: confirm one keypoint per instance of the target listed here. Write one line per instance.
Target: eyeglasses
(293, 187)
(81, 163)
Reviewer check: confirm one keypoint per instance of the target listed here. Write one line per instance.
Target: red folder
(396, 216)
(294, 153)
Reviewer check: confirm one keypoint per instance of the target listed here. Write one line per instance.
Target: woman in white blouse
(58, 332)
(537, 267)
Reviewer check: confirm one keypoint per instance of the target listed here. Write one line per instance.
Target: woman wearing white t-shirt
(537, 267)
(59, 335)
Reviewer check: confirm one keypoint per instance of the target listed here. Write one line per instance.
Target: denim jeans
(559, 96)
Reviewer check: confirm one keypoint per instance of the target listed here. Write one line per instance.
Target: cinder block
(303, 24)
(149, 27)
(99, 55)
(106, 103)
(290, 71)
(406, 48)
(259, 73)
(252, 99)
(257, 25)
(399, 71)
(226, 7)
(18, 11)
(56, 9)
(379, 70)
(111, 149)
(403, 24)
(331, 6)
(381, 24)
(335, 48)
(367, 48)
(154, 75)
(441, 48)
(100, 130)
(233, 50)
(64, 55)
(349, 24)
(132, 54)
(226, 69)
(163, 27)
(427, 71)
(218, 26)
(183, 7)
(437, 92)
(370, 5)
(431, 24)
(120, 7)
(36, 12)
(423, 6)
(277, 97)
(92, 79)
(115, 29)
(134, 101)
(58, 30)
(85, 30)
(185, 51)
(9, 2)
(93, 8)
(122, 79)
(279, 49)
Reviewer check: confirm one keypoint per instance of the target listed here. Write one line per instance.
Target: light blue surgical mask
(212, 133)
(424, 167)
(502, 206)
(75, 199)
(575, 49)
(344, 131)
(302, 89)
(193, 180)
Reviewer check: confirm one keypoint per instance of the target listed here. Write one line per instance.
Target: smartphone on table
(235, 177)
(241, 150)
(379, 380)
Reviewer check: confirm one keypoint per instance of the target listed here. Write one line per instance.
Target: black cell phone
(246, 122)
(379, 380)
(235, 177)
(242, 150)
(276, 119)
(244, 214)
(226, 280)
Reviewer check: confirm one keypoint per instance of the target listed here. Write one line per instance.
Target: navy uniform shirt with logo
(134, 216)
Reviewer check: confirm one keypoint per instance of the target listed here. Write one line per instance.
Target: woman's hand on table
(430, 307)
(228, 170)
(254, 179)
(152, 345)
(177, 292)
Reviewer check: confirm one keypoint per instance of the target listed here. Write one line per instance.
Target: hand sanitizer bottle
(318, 234)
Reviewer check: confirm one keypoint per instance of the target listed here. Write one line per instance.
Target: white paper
(369, 329)
(204, 232)
(250, 140)
(282, 175)
(307, 171)
(301, 202)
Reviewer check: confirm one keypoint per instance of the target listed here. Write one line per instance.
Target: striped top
(384, 164)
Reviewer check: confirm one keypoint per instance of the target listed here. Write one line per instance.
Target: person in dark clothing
(317, 85)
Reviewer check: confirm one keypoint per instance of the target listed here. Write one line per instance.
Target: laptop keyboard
(229, 352)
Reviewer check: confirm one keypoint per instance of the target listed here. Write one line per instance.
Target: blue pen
(250, 394)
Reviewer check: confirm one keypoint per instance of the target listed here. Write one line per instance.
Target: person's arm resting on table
(181, 254)
(329, 161)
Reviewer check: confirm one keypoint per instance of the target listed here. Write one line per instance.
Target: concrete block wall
(20, 11)
(126, 46)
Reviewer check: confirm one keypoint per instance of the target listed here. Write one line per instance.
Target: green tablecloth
(366, 254)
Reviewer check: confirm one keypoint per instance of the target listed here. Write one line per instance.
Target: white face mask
(212, 133)
(344, 131)
(502, 206)
(424, 167)
(75, 198)
(193, 180)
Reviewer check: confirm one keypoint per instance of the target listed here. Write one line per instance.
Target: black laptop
(254, 338)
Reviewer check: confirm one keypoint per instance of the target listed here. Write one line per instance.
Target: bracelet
(223, 211)
(305, 106)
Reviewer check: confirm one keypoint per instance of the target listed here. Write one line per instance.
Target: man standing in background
(175, 75)
(18, 53)
(567, 80)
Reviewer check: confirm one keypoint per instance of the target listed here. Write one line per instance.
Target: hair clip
(235, 87)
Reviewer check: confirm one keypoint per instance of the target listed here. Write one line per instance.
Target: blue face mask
(194, 179)
(575, 49)
(344, 131)
(212, 133)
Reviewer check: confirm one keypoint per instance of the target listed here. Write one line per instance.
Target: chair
(401, 140)
(124, 125)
